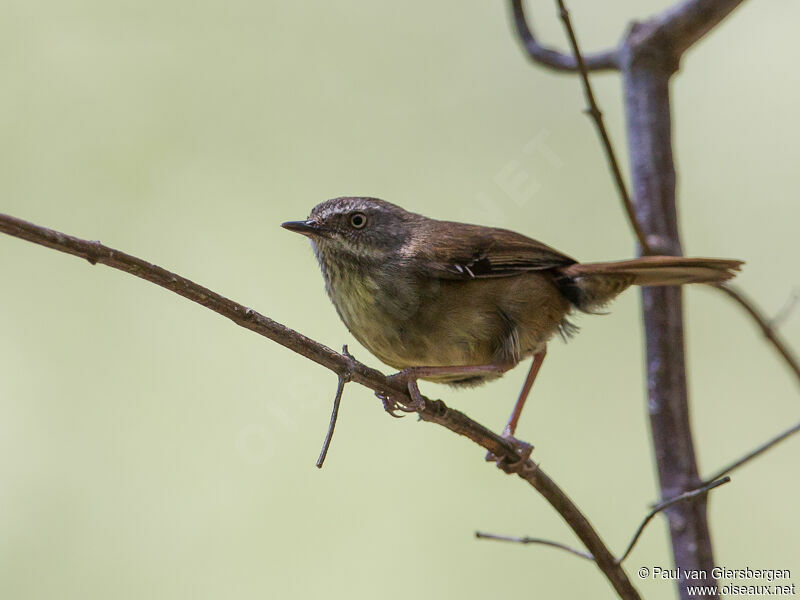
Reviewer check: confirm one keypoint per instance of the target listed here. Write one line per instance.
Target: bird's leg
(523, 449)
(513, 420)
(408, 377)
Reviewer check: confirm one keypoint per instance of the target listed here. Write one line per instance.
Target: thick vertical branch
(646, 73)
(647, 58)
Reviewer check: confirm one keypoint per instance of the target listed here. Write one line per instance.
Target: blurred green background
(150, 448)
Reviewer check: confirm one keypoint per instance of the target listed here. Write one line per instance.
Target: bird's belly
(450, 323)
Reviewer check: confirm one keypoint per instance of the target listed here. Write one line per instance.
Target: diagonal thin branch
(704, 489)
(597, 118)
(558, 61)
(764, 324)
(758, 451)
(433, 411)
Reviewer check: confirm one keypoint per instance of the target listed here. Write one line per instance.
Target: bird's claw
(391, 406)
(505, 464)
(408, 378)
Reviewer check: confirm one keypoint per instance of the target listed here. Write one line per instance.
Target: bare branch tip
(756, 452)
(531, 540)
(786, 310)
(661, 506)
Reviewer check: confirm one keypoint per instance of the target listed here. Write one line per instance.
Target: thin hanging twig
(334, 416)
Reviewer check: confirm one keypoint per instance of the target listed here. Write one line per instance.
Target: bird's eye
(358, 220)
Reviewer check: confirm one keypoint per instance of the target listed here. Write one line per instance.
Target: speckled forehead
(340, 206)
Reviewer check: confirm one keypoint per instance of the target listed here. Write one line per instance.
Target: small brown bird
(461, 304)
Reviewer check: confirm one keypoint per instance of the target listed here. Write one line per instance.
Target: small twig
(597, 117)
(334, 415)
(785, 311)
(530, 540)
(769, 332)
(558, 61)
(756, 452)
(704, 489)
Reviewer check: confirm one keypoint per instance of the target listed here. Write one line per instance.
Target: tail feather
(591, 286)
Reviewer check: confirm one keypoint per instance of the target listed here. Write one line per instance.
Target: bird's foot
(392, 406)
(508, 465)
(408, 379)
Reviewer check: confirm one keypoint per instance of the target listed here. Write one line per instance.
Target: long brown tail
(590, 286)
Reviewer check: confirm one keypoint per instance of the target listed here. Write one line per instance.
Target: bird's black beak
(308, 227)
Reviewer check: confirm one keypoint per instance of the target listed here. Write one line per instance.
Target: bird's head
(363, 228)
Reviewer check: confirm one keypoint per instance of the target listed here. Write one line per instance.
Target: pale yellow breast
(449, 323)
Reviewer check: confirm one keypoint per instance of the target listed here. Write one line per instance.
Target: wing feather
(448, 250)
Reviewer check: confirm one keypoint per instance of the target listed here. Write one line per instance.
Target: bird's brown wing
(460, 251)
